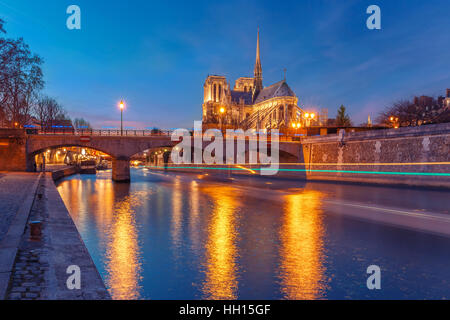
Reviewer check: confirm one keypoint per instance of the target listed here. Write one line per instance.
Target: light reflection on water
(221, 253)
(123, 251)
(302, 258)
(176, 237)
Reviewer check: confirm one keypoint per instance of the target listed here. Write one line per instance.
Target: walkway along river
(169, 236)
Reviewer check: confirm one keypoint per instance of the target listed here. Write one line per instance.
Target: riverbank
(407, 156)
(17, 194)
(37, 268)
(63, 171)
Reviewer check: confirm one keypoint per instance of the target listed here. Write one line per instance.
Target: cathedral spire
(258, 69)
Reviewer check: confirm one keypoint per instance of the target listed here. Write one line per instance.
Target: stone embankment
(36, 267)
(411, 156)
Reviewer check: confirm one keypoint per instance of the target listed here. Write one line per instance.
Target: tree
(20, 80)
(404, 113)
(1, 26)
(47, 110)
(342, 119)
(80, 123)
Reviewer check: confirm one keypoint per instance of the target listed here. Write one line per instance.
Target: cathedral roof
(279, 89)
(237, 95)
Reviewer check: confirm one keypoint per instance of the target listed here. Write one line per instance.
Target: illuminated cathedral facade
(249, 105)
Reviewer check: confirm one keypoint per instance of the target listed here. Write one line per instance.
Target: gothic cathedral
(249, 105)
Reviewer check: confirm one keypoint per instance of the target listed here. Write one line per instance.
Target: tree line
(22, 101)
(404, 113)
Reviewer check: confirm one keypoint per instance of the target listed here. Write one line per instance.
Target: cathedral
(249, 105)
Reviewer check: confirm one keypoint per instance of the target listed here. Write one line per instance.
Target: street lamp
(308, 117)
(222, 111)
(394, 122)
(121, 106)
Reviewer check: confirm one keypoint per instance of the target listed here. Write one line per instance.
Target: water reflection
(123, 252)
(112, 207)
(302, 269)
(203, 239)
(177, 218)
(221, 249)
(194, 219)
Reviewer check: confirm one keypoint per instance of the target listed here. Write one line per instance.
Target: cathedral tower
(258, 86)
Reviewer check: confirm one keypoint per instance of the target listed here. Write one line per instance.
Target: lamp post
(121, 106)
(222, 111)
(296, 127)
(309, 117)
(394, 121)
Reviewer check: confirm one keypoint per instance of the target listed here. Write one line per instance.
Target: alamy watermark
(234, 150)
(74, 20)
(74, 280)
(374, 280)
(374, 20)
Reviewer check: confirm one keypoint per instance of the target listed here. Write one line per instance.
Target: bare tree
(1, 26)
(405, 113)
(80, 123)
(20, 80)
(47, 110)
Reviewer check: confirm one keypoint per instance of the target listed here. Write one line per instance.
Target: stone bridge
(18, 149)
(413, 156)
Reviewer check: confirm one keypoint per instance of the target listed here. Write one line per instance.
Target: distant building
(56, 125)
(331, 122)
(423, 101)
(447, 99)
(249, 104)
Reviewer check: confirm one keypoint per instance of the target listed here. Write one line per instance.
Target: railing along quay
(99, 132)
(135, 133)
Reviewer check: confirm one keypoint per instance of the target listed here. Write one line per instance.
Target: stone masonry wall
(13, 150)
(411, 156)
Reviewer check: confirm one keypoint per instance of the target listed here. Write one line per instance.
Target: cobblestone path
(28, 280)
(13, 189)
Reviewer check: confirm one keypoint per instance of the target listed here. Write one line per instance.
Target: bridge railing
(282, 136)
(100, 132)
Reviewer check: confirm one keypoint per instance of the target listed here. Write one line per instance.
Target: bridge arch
(31, 156)
(119, 148)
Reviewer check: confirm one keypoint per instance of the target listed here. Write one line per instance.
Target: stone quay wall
(416, 156)
(13, 150)
(58, 174)
(37, 269)
(413, 156)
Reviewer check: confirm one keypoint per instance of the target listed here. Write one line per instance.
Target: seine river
(168, 236)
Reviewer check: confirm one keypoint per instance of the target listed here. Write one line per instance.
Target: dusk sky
(156, 54)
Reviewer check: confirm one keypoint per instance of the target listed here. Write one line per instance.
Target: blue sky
(156, 54)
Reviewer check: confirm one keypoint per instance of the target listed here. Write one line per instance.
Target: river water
(168, 236)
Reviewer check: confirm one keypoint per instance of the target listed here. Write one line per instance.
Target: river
(174, 236)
